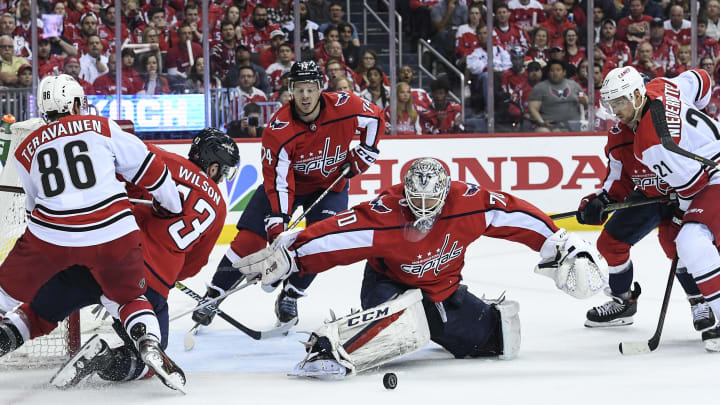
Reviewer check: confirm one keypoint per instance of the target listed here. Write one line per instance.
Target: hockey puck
(390, 381)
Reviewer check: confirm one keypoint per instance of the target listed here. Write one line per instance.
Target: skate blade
(64, 376)
(174, 380)
(712, 345)
(616, 322)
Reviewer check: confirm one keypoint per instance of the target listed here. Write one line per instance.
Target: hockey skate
(319, 362)
(711, 339)
(286, 307)
(10, 337)
(703, 317)
(93, 356)
(617, 312)
(166, 369)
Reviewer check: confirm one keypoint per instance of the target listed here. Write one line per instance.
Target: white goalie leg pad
(367, 339)
(574, 265)
(510, 325)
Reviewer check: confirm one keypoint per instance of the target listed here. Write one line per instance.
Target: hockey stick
(257, 335)
(342, 175)
(616, 206)
(216, 299)
(629, 348)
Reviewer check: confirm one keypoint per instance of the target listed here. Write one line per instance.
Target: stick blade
(633, 348)
(189, 341)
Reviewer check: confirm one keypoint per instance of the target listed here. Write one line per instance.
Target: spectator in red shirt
(573, 52)
(508, 34)
(408, 120)
(71, 66)
(665, 48)
(158, 21)
(257, 35)
(420, 97)
(152, 81)
(682, 63)
(232, 14)
(106, 30)
(557, 24)
(283, 64)
(444, 115)
(514, 82)
(539, 44)
(46, 61)
(706, 46)
(222, 53)
(269, 55)
(634, 28)
(128, 70)
(527, 13)
(677, 27)
(168, 12)
(178, 57)
(88, 27)
(192, 20)
(246, 87)
(105, 84)
(576, 14)
(612, 47)
(645, 63)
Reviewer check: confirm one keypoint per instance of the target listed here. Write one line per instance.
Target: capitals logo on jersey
(434, 261)
(562, 93)
(322, 160)
(277, 124)
(343, 98)
(649, 179)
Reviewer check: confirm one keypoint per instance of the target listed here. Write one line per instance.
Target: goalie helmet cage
(54, 349)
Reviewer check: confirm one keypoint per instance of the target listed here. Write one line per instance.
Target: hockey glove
(592, 209)
(668, 231)
(275, 224)
(360, 158)
(161, 212)
(271, 264)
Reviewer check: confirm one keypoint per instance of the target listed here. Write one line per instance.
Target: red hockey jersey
(300, 158)
(177, 248)
(379, 231)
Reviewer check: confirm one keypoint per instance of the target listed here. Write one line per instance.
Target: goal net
(55, 348)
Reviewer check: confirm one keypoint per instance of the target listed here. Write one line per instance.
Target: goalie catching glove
(360, 158)
(573, 264)
(271, 264)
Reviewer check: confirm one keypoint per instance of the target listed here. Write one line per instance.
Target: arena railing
(398, 17)
(425, 46)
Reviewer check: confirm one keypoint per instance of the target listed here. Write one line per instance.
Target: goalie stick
(257, 335)
(629, 348)
(617, 206)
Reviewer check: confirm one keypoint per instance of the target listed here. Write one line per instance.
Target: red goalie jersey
(177, 248)
(300, 158)
(381, 231)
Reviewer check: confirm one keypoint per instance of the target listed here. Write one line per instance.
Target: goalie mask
(212, 145)
(426, 185)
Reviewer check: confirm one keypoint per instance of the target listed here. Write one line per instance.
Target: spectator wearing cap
(93, 63)
(446, 16)
(24, 75)
(665, 48)
(337, 15)
(634, 28)
(557, 24)
(526, 13)
(573, 52)
(558, 53)
(152, 81)
(9, 63)
(106, 30)
(706, 46)
(539, 44)
(677, 27)
(712, 11)
(283, 64)
(556, 101)
(612, 47)
(682, 63)
(421, 99)
(444, 115)
(257, 36)
(105, 84)
(514, 81)
(268, 56)
(508, 34)
(178, 57)
(222, 53)
(88, 27)
(71, 66)
(645, 63)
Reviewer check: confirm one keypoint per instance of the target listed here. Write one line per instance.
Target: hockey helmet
(426, 185)
(58, 94)
(212, 145)
(305, 71)
(619, 86)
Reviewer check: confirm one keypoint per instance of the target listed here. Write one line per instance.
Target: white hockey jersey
(683, 97)
(68, 169)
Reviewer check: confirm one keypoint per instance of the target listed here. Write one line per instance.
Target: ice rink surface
(560, 361)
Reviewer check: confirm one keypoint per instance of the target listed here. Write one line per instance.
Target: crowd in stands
(540, 49)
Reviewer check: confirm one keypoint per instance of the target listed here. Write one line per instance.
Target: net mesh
(49, 350)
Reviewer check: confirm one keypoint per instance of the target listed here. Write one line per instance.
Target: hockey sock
(620, 282)
(687, 282)
(245, 243)
(139, 319)
(38, 325)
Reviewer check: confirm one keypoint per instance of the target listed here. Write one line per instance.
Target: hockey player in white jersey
(681, 145)
(79, 215)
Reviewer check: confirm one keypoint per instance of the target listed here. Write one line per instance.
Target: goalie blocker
(400, 326)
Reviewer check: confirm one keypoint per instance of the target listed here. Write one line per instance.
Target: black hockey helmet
(305, 71)
(212, 145)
